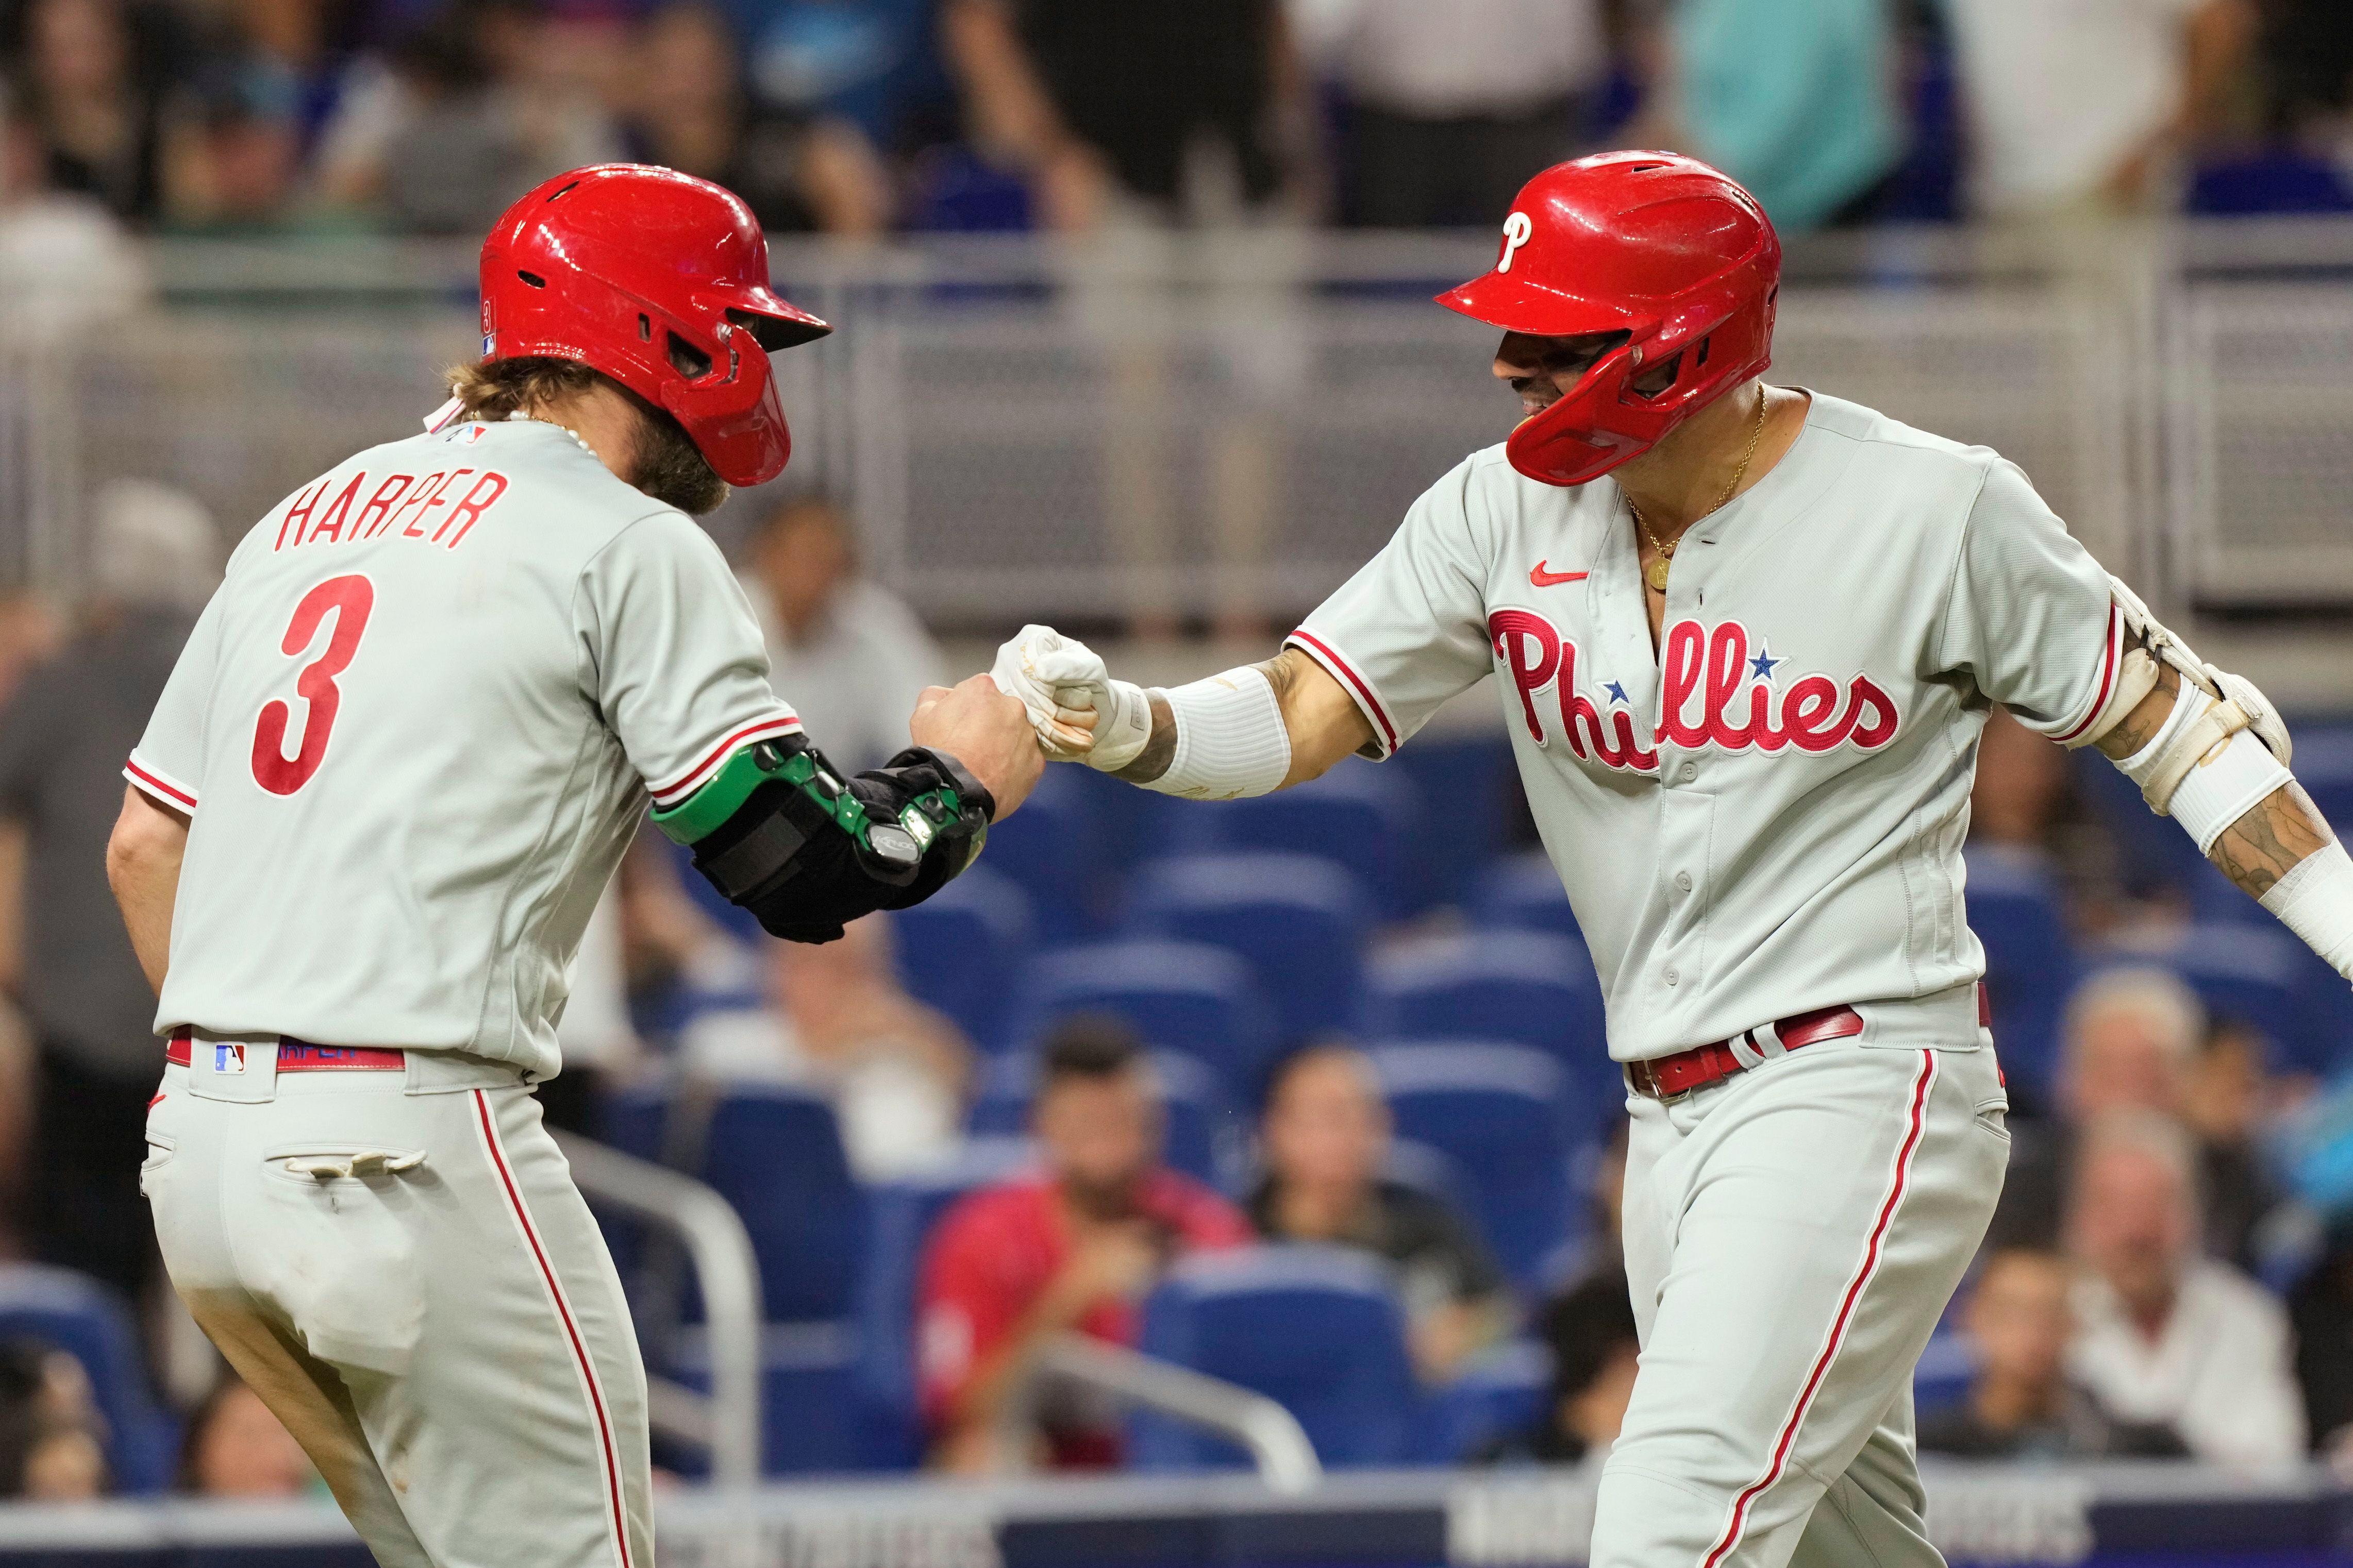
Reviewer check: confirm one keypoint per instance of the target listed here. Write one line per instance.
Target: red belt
(301, 1055)
(1672, 1077)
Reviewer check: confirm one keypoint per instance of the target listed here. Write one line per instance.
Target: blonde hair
(493, 391)
(2144, 990)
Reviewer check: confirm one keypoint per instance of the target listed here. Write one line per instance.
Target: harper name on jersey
(1761, 813)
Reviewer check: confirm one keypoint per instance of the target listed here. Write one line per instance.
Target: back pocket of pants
(344, 1262)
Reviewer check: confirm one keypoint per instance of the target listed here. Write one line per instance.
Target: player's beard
(671, 471)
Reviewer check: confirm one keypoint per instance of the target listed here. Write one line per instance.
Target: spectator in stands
(2163, 1334)
(50, 1450)
(2021, 1404)
(1450, 107)
(65, 262)
(2320, 1308)
(849, 655)
(2080, 110)
(236, 1448)
(2226, 1095)
(2127, 1042)
(1074, 1247)
(1325, 1142)
(235, 163)
(91, 73)
(154, 556)
(689, 110)
(1177, 109)
(470, 113)
(1589, 1329)
(1795, 99)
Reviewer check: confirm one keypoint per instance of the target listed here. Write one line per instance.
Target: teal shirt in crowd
(1795, 99)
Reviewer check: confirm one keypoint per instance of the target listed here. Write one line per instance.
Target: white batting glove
(1079, 712)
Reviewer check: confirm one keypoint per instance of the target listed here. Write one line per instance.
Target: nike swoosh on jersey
(1540, 578)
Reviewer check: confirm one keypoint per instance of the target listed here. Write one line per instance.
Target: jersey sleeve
(2032, 617)
(1408, 631)
(168, 762)
(676, 664)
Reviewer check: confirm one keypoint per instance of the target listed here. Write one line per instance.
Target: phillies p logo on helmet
(1516, 230)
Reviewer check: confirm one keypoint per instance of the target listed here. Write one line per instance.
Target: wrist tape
(2314, 901)
(1230, 738)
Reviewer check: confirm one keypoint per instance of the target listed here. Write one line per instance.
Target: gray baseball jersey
(1765, 815)
(416, 728)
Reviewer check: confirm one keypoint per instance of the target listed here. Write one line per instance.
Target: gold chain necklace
(1656, 574)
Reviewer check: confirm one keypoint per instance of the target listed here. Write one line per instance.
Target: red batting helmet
(659, 280)
(1656, 245)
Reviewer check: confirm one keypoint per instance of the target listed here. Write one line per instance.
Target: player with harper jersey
(396, 764)
(1745, 639)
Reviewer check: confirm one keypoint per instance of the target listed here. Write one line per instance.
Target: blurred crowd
(2170, 1272)
(856, 117)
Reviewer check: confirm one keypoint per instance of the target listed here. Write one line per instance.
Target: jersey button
(1687, 772)
(1672, 978)
(1683, 882)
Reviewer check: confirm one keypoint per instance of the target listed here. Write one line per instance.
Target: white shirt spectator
(855, 678)
(2219, 1375)
(2061, 92)
(1461, 58)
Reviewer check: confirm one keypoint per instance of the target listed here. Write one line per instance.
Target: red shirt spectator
(1075, 1247)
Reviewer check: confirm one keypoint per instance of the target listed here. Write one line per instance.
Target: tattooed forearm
(2264, 845)
(2139, 727)
(1158, 751)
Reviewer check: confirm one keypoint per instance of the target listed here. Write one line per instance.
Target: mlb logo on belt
(229, 1056)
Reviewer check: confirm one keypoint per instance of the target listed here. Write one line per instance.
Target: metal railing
(726, 1420)
(1163, 427)
(1285, 1459)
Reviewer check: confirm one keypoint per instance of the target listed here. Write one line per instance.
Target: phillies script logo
(1717, 693)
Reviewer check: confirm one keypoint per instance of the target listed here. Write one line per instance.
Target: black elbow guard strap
(778, 832)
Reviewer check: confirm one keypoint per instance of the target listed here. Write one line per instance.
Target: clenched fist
(1079, 713)
(984, 730)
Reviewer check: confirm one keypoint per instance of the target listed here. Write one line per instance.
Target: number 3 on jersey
(351, 599)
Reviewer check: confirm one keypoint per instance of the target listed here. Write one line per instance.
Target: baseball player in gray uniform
(1745, 677)
(399, 760)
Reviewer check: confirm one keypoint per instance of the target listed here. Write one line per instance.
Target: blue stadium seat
(1298, 920)
(776, 1154)
(1504, 1391)
(1049, 848)
(2013, 904)
(2156, 856)
(811, 1418)
(1519, 986)
(1523, 892)
(2324, 765)
(1179, 995)
(959, 950)
(2268, 978)
(1946, 1369)
(1501, 1113)
(901, 1217)
(1359, 814)
(1316, 1329)
(74, 1313)
(1206, 1137)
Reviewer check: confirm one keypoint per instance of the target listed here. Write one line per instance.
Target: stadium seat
(2013, 904)
(87, 1321)
(1946, 1369)
(1206, 1138)
(1359, 815)
(2156, 856)
(1504, 1391)
(776, 1154)
(2267, 978)
(811, 1418)
(1518, 986)
(958, 949)
(1501, 1113)
(1523, 892)
(2324, 765)
(1050, 849)
(901, 1217)
(1317, 1328)
(1298, 920)
(1179, 995)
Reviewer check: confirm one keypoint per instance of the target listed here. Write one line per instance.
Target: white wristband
(2228, 783)
(2314, 901)
(1230, 738)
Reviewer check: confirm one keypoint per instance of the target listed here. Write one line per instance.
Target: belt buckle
(1644, 1076)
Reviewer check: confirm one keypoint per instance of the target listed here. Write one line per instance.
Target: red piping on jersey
(784, 725)
(2116, 643)
(1332, 661)
(571, 1329)
(1873, 1251)
(171, 794)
